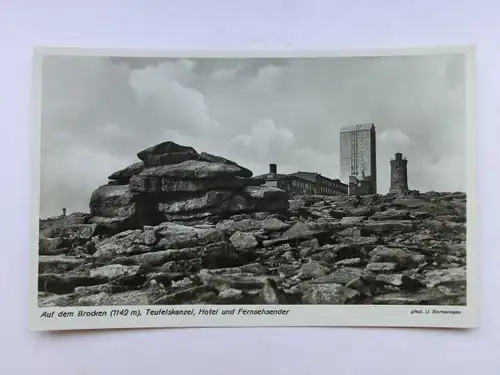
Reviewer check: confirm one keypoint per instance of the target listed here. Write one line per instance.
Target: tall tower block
(358, 158)
(399, 174)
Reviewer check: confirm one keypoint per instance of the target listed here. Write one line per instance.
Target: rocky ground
(182, 227)
(318, 250)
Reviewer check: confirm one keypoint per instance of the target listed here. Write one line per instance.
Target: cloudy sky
(99, 112)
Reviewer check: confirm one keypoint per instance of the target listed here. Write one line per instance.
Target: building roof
(359, 127)
(279, 176)
(309, 176)
(272, 176)
(300, 175)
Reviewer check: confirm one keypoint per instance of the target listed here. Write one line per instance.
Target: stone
(349, 262)
(50, 246)
(382, 267)
(349, 221)
(447, 277)
(75, 233)
(205, 156)
(175, 236)
(432, 296)
(338, 214)
(169, 158)
(113, 271)
(287, 270)
(159, 185)
(274, 225)
(112, 225)
(298, 231)
(128, 242)
(164, 148)
(194, 169)
(361, 212)
(124, 175)
(266, 193)
(50, 227)
(65, 283)
(113, 201)
(57, 264)
(192, 295)
(144, 297)
(327, 294)
(240, 281)
(380, 227)
(210, 199)
(271, 294)
(399, 280)
(350, 232)
(391, 214)
(159, 258)
(313, 269)
(296, 204)
(340, 276)
(245, 225)
(243, 241)
(409, 203)
(382, 254)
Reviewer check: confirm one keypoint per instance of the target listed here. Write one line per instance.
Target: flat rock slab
(339, 276)
(205, 156)
(381, 267)
(245, 225)
(135, 297)
(209, 199)
(65, 283)
(391, 214)
(327, 294)
(446, 277)
(386, 254)
(164, 148)
(313, 269)
(113, 201)
(432, 296)
(51, 246)
(399, 280)
(57, 264)
(389, 226)
(128, 242)
(243, 241)
(179, 236)
(113, 271)
(265, 192)
(126, 173)
(193, 169)
(143, 184)
(111, 225)
(169, 158)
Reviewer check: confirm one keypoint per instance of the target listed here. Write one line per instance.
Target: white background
(264, 24)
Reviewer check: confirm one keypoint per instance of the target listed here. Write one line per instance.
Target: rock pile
(321, 250)
(175, 183)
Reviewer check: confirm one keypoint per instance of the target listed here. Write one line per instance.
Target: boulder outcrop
(214, 237)
(175, 183)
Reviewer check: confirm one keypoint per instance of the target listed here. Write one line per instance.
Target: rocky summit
(180, 227)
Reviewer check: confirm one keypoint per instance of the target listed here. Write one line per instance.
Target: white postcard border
(298, 315)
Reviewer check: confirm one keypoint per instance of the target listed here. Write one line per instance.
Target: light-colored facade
(358, 153)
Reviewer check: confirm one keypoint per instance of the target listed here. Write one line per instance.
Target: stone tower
(399, 174)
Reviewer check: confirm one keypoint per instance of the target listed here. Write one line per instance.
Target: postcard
(210, 189)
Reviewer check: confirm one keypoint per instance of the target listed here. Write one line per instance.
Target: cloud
(99, 112)
(265, 137)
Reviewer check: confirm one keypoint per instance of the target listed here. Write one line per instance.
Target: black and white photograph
(265, 189)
